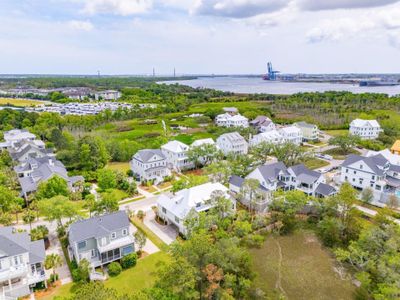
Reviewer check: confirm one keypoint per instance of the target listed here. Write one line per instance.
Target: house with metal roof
(262, 124)
(101, 239)
(174, 210)
(231, 120)
(232, 142)
(150, 165)
(176, 155)
(268, 137)
(21, 263)
(365, 129)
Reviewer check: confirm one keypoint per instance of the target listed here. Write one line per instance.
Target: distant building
(174, 210)
(262, 124)
(101, 239)
(291, 134)
(269, 137)
(150, 165)
(176, 155)
(365, 129)
(231, 120)
(396, 148)
(107, 95)
(310, 132)
(231, 110)
(21, 263)
(232, 142)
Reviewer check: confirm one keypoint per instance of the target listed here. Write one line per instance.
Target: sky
(118, 37)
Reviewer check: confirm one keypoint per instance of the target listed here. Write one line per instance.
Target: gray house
(101, 239)
(21, 263)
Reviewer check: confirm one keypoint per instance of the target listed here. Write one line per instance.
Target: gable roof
(98, 226)
(271, 171)
(233, 137)
(325, 189)
(15, 243)
(186, 199)
(260, 120)
(375, 163)
(145, 155)
(363, 123)
(304, 174)
(200, 142)
(175, 146)
(305, 124)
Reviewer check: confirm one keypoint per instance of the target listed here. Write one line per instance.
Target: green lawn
(21, 102)
(119, 166)
(315, 163)
(119, 194)
(337, 153)
(150, 234)
(336, 132)
(143, 275)
(298, 267)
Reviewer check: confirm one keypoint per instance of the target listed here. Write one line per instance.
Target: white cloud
(117, 7)
(80, 25)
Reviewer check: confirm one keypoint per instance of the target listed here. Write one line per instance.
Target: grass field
(143, 275)
(297, 267)
(338, 154)
(119, 166)
(315, 163)
(20, 102)
(336, 132)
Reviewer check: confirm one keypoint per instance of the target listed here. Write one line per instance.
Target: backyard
(132, 280)
(298, 267)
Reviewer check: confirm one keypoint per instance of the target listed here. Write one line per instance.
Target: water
(258, 85)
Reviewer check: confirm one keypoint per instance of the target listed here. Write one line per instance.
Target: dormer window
(125, 232)
(81, 245)
(113, 235)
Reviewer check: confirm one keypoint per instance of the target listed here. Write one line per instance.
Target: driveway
(166, 233)
(149, 247)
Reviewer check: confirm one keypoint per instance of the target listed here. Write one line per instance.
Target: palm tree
(53, 261)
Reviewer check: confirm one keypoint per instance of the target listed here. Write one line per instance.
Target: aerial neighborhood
(93, 199)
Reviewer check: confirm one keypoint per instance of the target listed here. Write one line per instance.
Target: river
(249, 85)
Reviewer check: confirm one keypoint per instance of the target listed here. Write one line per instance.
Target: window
(176, 219)
(373, 177)
(355, 172)
(93, 253)
(361, 167)
(378, 187)
(81, 245)
(347, 170)
(113, 235)
(125, 232)
(164, 210)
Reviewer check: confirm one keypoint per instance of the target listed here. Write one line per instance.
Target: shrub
(53, 278)
(129, 261)
(114, 269)
(129, 173)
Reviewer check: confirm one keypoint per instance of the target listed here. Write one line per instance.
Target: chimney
(51, 162)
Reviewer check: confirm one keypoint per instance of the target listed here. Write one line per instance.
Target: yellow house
(396, 148)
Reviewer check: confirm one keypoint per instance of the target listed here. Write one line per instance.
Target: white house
(310, 132)
(231, 120)
(374, 172)
(262, 124)
(269, 137)
(150, 165)
(232, 142)
(174, 210)
(291, 134)
(21, 263)
(198, 143)
(365, 129)
(15, 136)
(176, 154)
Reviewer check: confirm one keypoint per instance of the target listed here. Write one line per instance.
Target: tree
(82, 273)
(90, 204)
(251, 191)
(91, 153)
(7, 199)
(345, 142)
(28, 217)
(367, 195)
(140, 239)
(107, 204)
(203, 154)
(6, 218)
(222, 207)
(106, 179)
(53, 261)
(240, 165)
(288, 153)
(57, 208)
(393, 201)
(55, 186)
(219, 171)
(39, 233)
(96, 291)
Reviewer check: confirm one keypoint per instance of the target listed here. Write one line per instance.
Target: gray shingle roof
(325, 189)
(304, 174)
(146, 154)
(15, 243)
(97, 227)
(271, 171)
(236, 180)
(373, 162)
